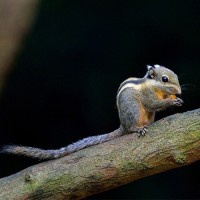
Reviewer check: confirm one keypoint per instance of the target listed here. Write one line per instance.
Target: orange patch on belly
(145, 117)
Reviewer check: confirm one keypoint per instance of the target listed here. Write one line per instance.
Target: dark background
(63, 87)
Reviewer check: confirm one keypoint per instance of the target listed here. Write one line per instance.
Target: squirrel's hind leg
(130, 113)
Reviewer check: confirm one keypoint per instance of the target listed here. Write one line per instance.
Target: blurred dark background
(64, 81)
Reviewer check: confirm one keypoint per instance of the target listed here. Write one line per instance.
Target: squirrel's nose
(179, 91)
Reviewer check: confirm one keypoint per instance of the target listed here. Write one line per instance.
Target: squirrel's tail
(53, 154)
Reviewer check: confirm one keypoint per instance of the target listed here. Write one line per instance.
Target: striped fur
(135, 83)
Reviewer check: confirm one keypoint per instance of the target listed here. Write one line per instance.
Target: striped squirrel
(137, 101)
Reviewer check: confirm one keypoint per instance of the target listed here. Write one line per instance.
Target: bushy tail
(53, 154)
(29, 152)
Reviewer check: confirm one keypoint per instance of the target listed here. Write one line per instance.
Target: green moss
(180, 159)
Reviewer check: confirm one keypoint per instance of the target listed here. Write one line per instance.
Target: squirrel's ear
(151, 72)
(149, 66)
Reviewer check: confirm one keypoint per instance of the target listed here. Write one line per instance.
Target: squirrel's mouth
(174, 96)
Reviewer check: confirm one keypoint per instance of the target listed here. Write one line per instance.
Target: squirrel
(137, 101)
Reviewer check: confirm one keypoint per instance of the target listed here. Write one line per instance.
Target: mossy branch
(172, 142)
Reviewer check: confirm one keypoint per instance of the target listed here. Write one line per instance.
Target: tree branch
(16, 19)
(172, 142)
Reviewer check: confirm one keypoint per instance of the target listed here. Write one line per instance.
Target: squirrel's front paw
(141, 131)
(177, 102)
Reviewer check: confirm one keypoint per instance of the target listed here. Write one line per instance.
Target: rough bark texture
(172, 142)
(16, 17)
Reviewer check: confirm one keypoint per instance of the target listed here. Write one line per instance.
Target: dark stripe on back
(136, 82)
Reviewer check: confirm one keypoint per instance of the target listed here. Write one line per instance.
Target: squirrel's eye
(165, 79)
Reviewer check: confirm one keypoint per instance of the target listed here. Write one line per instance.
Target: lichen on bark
(172, 142)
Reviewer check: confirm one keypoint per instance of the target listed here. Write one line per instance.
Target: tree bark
(172, 142)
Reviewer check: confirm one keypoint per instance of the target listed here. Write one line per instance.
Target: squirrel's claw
(178, 102)
(141, 131)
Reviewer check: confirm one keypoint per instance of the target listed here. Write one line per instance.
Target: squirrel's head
(165, 79)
